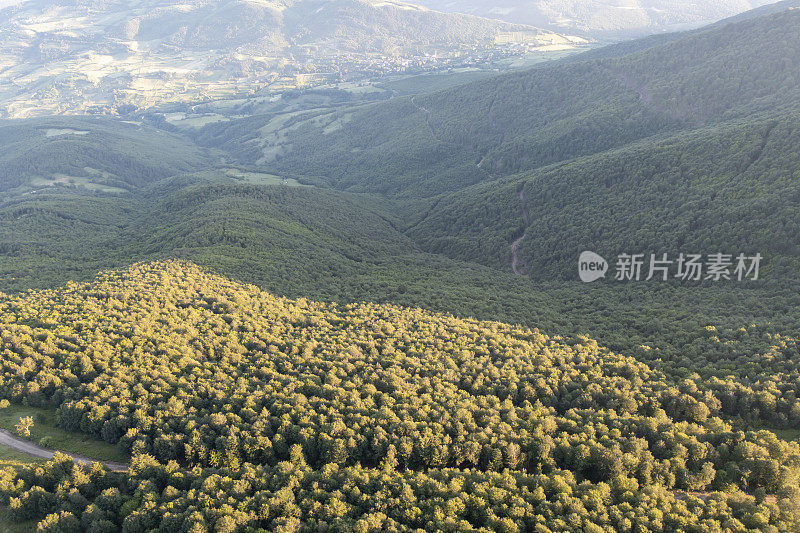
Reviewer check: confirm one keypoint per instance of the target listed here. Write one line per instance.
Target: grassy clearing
(78, 181)
(787, 434)
(358, 88)
(11, 457)
(337, 124)
(181, 120)
(58, 439)
(261, 178)
(247, 176)
(434, 81)
(55, 132)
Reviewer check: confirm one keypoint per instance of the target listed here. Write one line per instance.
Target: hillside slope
(95, 153)
(705, 190)
(362, 417)
(583, 155)
(501, 126)
(444, 242)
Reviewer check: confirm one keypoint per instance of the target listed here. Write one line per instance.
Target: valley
(117, 57)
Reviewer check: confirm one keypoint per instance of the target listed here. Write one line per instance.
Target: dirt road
(427, 117)
(518, 266)
(34, 450)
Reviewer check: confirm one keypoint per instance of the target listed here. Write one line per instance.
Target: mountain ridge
(556, 106)
(603, 18)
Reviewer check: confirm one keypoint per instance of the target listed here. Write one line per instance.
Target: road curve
(518, 266)
(427, 118)
(34, 450)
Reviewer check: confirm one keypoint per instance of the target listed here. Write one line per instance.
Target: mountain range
(598, 18)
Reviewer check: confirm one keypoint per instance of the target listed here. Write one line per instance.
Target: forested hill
(504, 125)
(773, 7)
(99, 153)
(247, 412)
(634, 45)
(358, 394)
(685, 144)
(719, 180)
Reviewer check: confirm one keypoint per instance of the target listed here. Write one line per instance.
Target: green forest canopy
(247, 411)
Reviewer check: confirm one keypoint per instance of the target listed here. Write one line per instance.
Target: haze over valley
(603, 17)
(104, 56)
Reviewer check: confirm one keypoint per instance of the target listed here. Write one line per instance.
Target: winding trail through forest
(518, 266)
(34, 450)
(427, 117)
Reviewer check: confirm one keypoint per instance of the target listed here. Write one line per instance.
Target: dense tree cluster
(268, 411)
(254, 233)
(292, 496)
